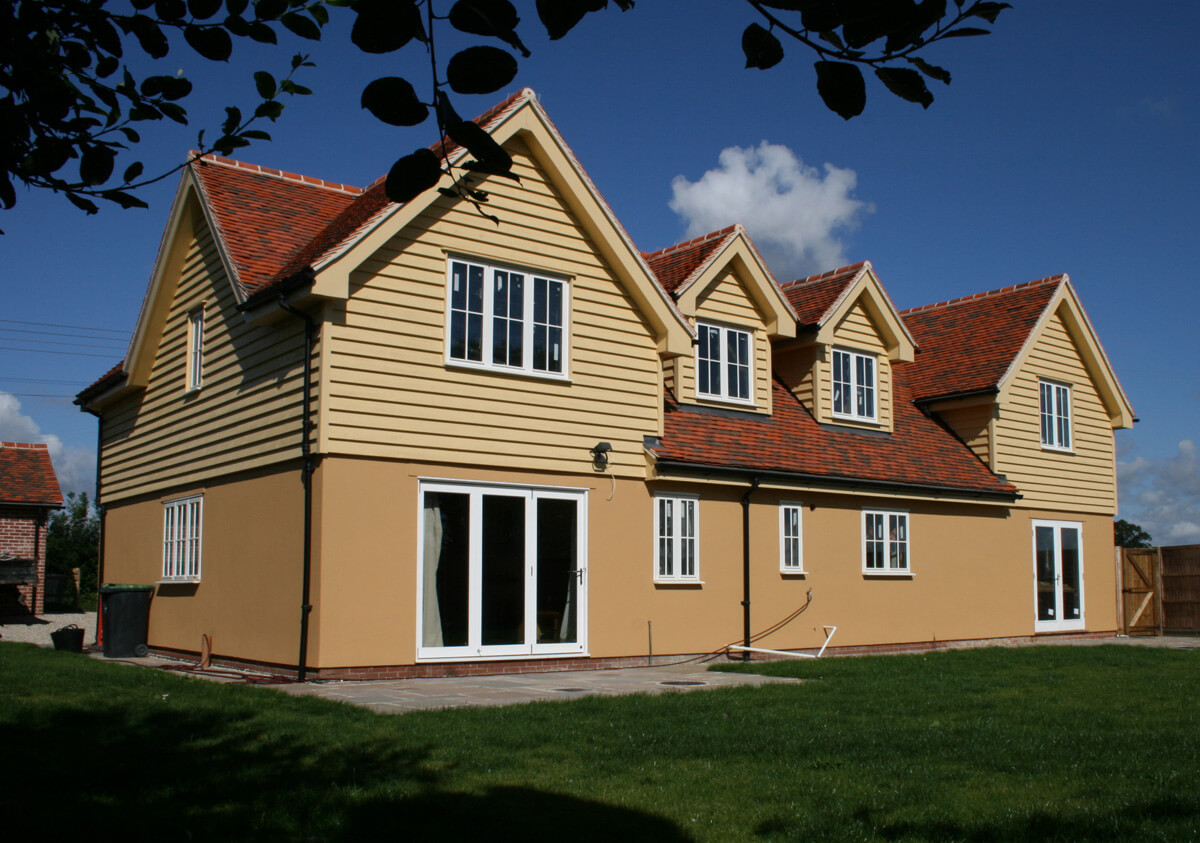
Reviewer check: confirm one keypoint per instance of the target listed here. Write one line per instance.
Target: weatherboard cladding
(26, 475)
(274, 224)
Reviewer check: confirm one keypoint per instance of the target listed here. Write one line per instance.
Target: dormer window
(723, 363)
(1055, 405)
(854, 386)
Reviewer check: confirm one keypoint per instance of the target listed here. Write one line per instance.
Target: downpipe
(754, 481)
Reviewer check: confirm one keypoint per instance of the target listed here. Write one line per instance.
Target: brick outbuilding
(29, 492)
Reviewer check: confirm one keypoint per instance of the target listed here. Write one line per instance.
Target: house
(356, 438)
(28, 494)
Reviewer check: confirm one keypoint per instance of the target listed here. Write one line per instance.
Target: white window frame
(680, 538)
(195, 349)
(557, 367)
(791, 538)
(1054, 415)
(859, 392)
(183, 538)
(724, 364)
(886, 542)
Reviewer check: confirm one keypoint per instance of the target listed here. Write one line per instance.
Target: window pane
(502, 564)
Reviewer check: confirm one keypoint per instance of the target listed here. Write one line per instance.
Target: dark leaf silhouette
(412, 175)
(841, 87)
(906, 84)
(762, 49)
(383, 26)
(497, 18)
(480, 70)
(213, 44)
(393, 101)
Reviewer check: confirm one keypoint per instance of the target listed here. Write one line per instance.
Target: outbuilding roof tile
(26, 475)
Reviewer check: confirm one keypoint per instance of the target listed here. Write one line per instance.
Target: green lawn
(1067, 743)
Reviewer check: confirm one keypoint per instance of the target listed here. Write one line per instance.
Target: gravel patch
(37, 630)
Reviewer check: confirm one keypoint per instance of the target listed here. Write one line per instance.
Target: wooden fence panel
(1181, 588)
(1140, 591)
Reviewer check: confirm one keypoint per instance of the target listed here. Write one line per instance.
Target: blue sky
(1066, 143)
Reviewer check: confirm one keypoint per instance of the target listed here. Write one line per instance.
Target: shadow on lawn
(1123, 823)
(209, 775)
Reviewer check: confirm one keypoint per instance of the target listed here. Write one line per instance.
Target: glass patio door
(501, 571)
(1058, 575)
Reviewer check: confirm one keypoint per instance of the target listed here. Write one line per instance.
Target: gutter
(678, 467)
(306, 474)
(754, 481)
(975, 393)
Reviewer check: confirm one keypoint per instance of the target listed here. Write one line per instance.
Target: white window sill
(1057, 450)
(502, 370)
(178, 581)
(741, 403)
(658, 581)
(858, 419)
(896, 574)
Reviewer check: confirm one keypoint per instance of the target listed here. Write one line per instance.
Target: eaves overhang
(845, 483)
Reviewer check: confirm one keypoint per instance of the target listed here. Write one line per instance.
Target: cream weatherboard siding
(856, 332)
(972, 424)
(800, 368)
(391, 392)
(726, 302)
(245, 415)
(1083, 480)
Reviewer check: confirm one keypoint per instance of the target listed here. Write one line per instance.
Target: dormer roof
(686, 269)
(822, 301)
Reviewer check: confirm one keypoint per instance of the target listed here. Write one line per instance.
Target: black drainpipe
(101, 511)
(746, 567)
(310, 327)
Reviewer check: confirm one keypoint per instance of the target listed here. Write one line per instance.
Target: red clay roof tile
(968, 344)
(919, 452)
(676, 265)
(26, 475)
(813, 297)
(264, 216)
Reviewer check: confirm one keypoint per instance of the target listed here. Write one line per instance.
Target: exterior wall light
(600, 455)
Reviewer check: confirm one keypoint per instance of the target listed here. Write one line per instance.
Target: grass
(1054, 743)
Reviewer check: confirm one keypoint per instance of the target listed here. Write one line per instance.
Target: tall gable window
(791, 546)
(854, 385)
(1055, 404)
(195, 346)
(506, 319)
(723, 363)
(182, 523)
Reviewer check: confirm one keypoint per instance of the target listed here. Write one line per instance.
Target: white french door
(1058, 575)
(502, 571)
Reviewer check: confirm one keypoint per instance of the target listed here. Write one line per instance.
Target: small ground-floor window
(502, 571)
(885, 542)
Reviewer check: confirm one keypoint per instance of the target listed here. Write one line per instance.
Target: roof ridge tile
(283, 175)
(825, 276)
(695, 241)
(31, 446)
(1012, 288)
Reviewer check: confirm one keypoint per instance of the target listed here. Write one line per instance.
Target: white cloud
(793, 212)
(75, 467)
(1163, 495)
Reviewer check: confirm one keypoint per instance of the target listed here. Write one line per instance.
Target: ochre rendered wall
(248, 597)
(972, 568)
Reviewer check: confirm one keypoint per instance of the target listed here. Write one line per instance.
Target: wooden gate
(1141, 591)
(1181, 588)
